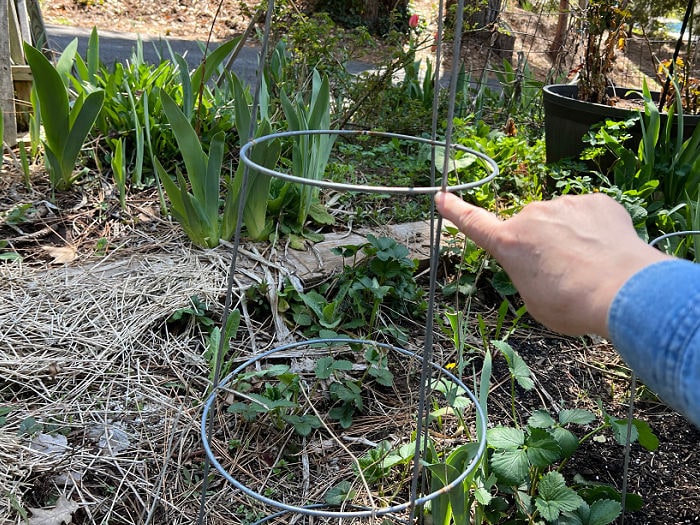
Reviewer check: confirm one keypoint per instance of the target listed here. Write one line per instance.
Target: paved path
(116, 46)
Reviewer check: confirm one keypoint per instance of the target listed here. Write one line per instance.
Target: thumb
(476, 223)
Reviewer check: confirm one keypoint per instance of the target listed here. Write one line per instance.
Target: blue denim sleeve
(654, 323)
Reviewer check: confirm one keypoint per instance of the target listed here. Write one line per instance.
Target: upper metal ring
(364, 188)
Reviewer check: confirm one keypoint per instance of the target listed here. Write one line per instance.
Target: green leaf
(242, 115)
(383, 376)
(320, 215)
(343, 414)
(502, 284)
(187, 92)
(619, 428)
(53, 98)
(82, 117)
(324, 367)
(189, 145)
(603, 512)
(540, 419)
(264, 154)
(212, 179)
(510, 465)
(66, 60)
(271, 404)
(505, 437)
(464, 161)
(400, 456)
(10, 256)
(93, 55)
(577, 416)
(232, 324)
(541, 448)
(303, 425)
(339, 494)
(646, 437)
(3, 412)
(270, 371)
(567, 441)
(348, 391)
(318, 305)
(207, 68)
(554, 497)
(517, 366)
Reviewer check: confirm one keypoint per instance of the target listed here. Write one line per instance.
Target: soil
(154, 386)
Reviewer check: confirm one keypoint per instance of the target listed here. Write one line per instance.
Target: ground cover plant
(103, 382)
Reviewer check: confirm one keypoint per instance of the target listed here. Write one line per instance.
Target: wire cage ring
(313, 509)
(366, 188)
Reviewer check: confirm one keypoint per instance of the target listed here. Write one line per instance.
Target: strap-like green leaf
(207, 68)
(83, 118)
(189, 144)
(53, 98)
(93, 55)
(320, 103)
(242, 112)
(65, 61)
(187, 94)
(213, 177)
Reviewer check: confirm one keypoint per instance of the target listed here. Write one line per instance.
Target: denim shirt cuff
(654, 323)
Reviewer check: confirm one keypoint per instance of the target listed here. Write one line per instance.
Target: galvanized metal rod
(234, 256)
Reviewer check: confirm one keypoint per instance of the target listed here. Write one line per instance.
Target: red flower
(413, 21)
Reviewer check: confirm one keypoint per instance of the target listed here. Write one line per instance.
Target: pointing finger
(476, 223)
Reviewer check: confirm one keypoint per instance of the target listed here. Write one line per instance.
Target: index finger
(476, 223)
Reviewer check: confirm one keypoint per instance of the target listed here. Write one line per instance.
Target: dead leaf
(61, 513)
(61, 254)
(111, 438)
(50, 445)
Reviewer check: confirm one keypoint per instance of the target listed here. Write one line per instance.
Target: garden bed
(90, 350)
(106, 358)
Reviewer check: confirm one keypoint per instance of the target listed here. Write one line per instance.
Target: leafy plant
(278, 400)
(604, 23)
(197, 311)
(528, 467)
(659, 182)
(255, 195)
(118, 164)
(310, 153)
(196, 211)
(345, 393)
(66, 126)
(4, 411)
(8, 255)
(380, 279)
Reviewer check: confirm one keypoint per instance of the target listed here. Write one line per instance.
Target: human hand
(567, 257)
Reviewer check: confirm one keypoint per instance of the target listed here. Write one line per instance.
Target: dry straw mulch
(106, 394)
(87, 353)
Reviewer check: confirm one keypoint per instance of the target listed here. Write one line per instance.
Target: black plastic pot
(567, 119)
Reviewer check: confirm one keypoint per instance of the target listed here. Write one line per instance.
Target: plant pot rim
(554, 92)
